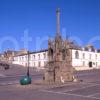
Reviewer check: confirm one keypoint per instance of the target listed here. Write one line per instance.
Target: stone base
(59, 75)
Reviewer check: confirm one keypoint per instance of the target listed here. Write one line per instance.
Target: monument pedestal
(60, 74)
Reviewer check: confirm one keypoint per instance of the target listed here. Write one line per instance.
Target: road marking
(86, 74)
(83, 83)
(63, 85)
(93, 95)
(69, 94)
(2, 75)
(79, 88)
(9, 83)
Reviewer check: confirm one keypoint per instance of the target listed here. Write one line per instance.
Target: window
(83, 63)
(26, 57)
(95, 56)
(90, 56)
(34, 56)
(29, 57)
(22, 58)
(44, 55)
(96, 64)
(76, 55)
(39, 56)
(39, 64)
(93, 63)
(34, 64)
(83, 55)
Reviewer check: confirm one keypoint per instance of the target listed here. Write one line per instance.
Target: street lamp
(28, 64)
(26, 79)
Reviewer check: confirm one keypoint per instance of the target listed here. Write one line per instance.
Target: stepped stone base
(59, 74)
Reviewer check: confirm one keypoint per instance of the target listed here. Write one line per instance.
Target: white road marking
(93, 95)
(80, 88)
(9, 83)
(69, 84)
(69, 94)
(88, 83)
(73, 83)
(2, 75)
(86, 74)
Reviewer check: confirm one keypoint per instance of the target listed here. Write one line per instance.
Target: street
(13, 75)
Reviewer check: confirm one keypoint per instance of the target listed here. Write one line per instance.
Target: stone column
(58, 22)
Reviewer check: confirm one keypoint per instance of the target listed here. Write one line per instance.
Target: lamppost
(28, 64)
(26, 79)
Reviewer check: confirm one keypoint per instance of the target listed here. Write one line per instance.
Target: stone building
(8, 55)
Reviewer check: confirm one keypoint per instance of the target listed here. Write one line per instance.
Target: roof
(44, 50)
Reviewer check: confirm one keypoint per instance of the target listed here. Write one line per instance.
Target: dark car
(4, 65)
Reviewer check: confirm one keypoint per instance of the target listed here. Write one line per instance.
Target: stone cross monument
(59, 68)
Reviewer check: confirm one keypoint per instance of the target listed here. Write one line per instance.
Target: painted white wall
(76, 63)
(33, 62)
(83, 62)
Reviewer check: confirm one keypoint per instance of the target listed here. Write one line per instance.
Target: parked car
(6, 66)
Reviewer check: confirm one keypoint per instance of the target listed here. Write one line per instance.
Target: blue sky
(80, 20)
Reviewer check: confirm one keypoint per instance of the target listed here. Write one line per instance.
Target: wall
(83, 61)
(37, 60)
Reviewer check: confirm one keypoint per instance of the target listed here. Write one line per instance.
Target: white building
(82, 59)
(36, 59)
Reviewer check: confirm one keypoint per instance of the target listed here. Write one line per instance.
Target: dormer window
(90, 50)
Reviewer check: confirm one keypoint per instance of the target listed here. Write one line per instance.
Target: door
(90, 64)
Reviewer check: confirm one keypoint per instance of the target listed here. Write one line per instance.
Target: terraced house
(82, 58)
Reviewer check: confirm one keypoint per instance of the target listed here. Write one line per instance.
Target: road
(86, 76)
(89, 89)
(14, 74)
(16, 79)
